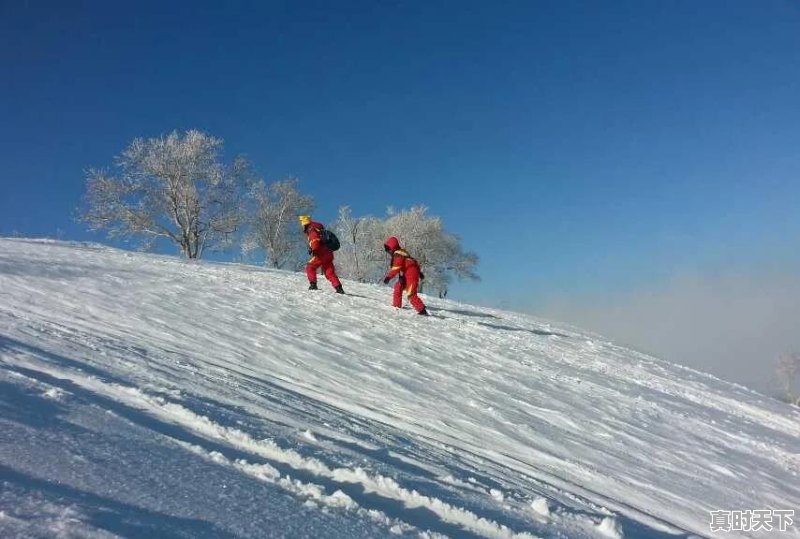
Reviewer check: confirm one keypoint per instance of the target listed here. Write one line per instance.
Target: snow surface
(147, 396)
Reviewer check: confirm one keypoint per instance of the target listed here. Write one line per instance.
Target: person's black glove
(421, 276)
(386, 280)
(310, 251)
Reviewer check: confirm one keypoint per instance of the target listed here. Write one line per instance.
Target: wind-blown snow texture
(146, 396)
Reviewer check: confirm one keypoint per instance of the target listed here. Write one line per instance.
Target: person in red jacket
(321, 255)
(404, 265)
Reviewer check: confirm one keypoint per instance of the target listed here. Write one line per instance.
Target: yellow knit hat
(304, 219)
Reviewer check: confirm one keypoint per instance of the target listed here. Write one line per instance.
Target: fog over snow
(735, 325)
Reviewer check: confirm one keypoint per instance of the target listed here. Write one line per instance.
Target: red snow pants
(408, 281)
(323, 260)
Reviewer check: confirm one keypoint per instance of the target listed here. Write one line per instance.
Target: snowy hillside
(146, 396)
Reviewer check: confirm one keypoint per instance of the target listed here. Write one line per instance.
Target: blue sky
(580, 148)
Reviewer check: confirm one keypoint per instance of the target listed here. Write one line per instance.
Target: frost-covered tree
(788, 372)
(360, 256)
(273, 225)
(174, 187)
(440, 253)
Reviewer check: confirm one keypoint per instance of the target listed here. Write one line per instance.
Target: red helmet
(392, 244)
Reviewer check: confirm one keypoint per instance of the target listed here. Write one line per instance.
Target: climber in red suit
(404, 265)
(321, 255)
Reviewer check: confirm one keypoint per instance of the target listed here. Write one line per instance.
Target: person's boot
(339, 289)
(312, 285)
(423, 312)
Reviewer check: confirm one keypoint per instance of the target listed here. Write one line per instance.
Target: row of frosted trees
(177, 189)
(440, 253)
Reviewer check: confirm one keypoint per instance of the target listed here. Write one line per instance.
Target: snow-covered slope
(145, 396)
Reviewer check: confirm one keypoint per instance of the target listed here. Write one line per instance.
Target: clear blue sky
(576, 146)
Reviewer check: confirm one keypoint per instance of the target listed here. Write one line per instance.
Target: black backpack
(329, 239)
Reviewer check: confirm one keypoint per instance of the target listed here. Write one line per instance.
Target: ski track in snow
(218, 400)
